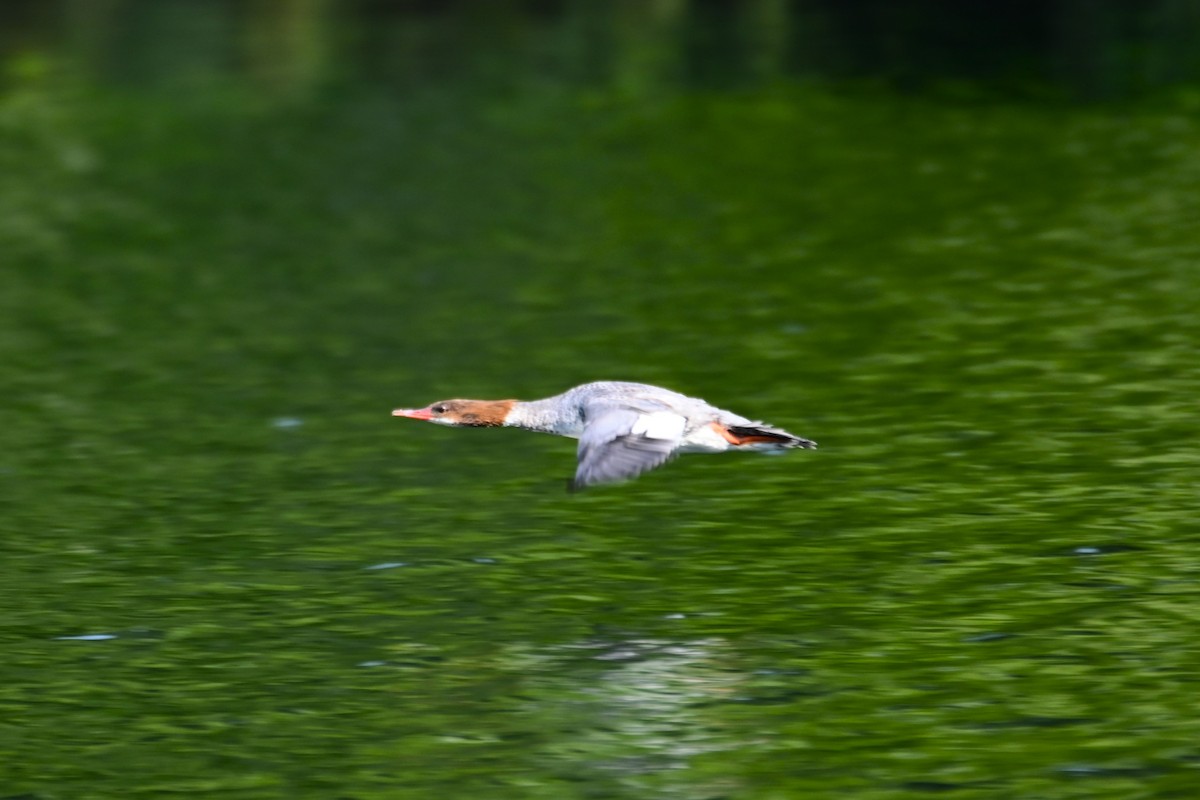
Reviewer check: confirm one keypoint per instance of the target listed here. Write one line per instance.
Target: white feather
(659, 425)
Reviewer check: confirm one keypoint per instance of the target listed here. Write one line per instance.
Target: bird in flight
(624, 429)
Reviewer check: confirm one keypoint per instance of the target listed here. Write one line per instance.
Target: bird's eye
(440, 408)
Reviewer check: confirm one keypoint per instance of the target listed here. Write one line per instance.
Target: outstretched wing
(621, 443)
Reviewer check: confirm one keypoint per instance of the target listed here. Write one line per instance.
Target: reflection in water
(647, 712)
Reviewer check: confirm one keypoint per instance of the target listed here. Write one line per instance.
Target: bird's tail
(765, 434)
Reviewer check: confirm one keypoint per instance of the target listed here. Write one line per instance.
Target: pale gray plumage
(624, 429)
(609, 451)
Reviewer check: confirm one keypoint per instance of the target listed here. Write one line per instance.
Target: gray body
(625, 429)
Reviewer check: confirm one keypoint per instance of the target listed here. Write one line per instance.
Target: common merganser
(624, 429)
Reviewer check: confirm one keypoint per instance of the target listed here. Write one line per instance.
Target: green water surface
(983, 585)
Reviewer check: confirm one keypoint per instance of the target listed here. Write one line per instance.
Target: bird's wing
(620, 443)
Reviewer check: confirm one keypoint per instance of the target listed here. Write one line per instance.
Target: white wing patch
(659, 425)
(621, 443)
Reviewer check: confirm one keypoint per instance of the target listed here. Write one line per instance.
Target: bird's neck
(547, 416)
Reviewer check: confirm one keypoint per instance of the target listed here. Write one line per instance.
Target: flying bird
(624, 429)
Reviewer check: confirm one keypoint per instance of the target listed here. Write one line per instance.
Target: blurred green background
(954, 243)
